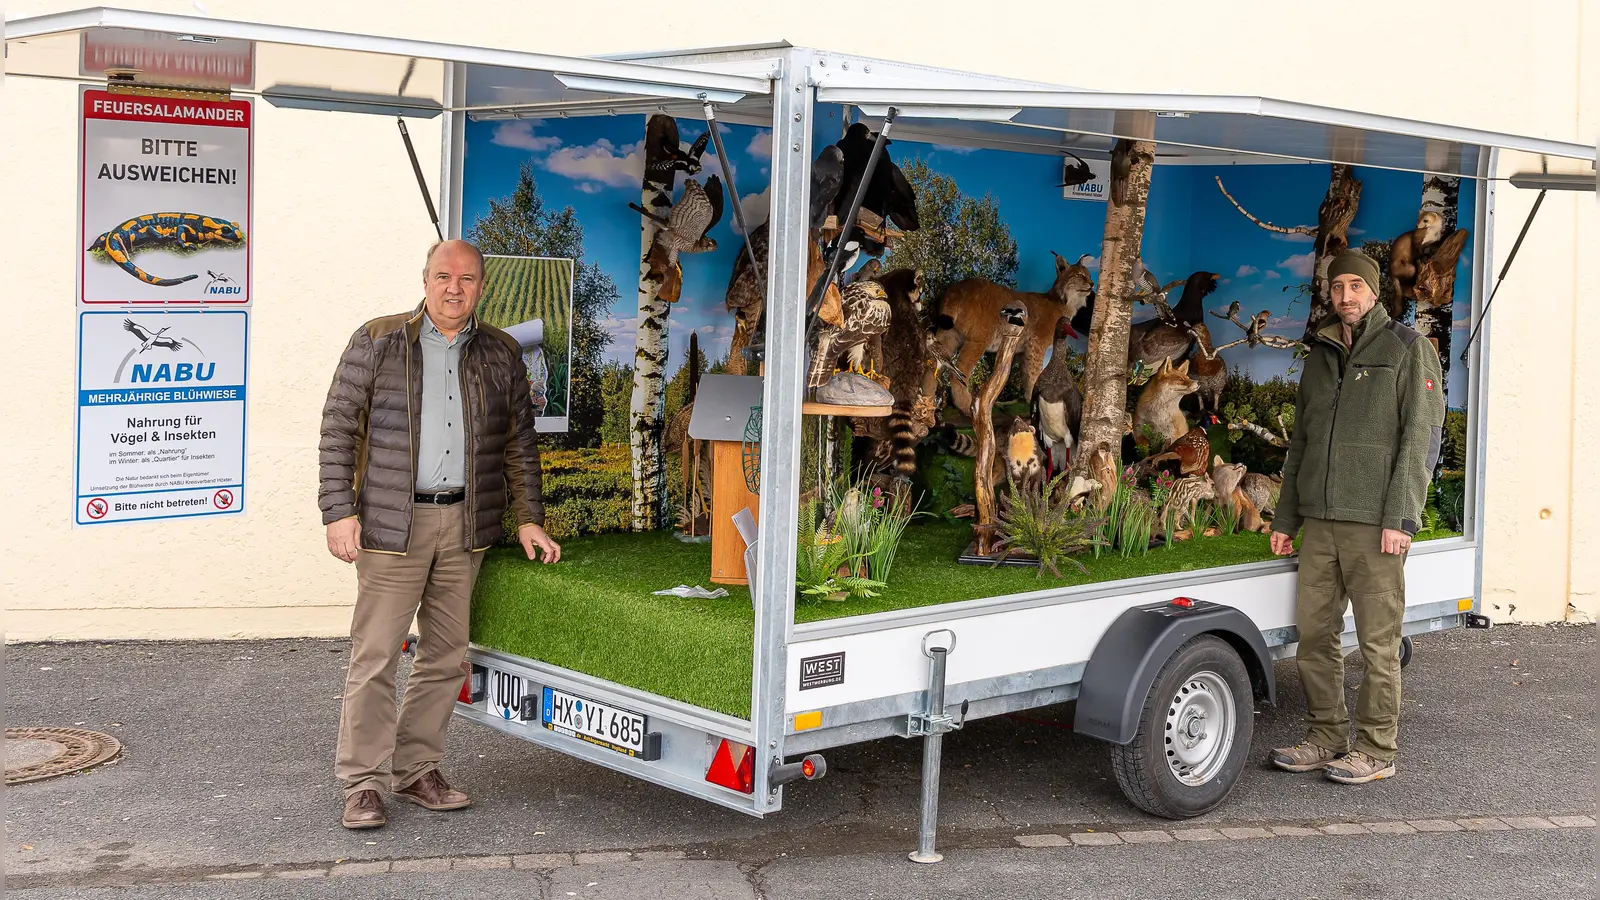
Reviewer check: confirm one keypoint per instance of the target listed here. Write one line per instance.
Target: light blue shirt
(441, 446)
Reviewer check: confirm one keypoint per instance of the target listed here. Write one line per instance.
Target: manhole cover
(36, 753)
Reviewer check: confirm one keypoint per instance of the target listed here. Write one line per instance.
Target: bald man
(426, 433)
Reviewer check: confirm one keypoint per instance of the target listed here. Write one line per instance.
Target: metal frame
(1478, 366)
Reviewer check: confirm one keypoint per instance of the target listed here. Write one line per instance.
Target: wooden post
(1013, 323)
(729, 494)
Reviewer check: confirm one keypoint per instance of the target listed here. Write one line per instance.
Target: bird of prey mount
(685, 228)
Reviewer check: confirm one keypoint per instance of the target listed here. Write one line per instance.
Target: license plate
(598, 723)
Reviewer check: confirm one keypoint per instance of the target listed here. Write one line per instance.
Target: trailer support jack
(931, 725)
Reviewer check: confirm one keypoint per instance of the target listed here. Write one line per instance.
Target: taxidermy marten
(1405, 252)
(966, 327)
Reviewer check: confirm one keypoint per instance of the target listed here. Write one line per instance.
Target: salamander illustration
(178, 231)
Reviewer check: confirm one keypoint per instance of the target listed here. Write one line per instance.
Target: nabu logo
(222, 284)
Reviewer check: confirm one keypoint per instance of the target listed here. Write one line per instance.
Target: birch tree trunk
(1105, 374)
(1334, 216)
(645, 411)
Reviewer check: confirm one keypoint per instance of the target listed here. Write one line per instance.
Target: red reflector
(466, 691)
(1185, 602)
(733, 767)
(808, 769)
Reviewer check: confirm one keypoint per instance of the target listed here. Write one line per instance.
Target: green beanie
(1354, 262)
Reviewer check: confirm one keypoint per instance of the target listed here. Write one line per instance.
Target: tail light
(733, 767)
(473, 686)
(1185, 602)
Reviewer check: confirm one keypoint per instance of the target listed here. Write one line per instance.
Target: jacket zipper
(469, 532)
(1333, 425)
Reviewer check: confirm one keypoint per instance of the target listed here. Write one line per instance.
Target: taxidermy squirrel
(1157, 408)
(1226, 479)
(903, 356)
(965, 328)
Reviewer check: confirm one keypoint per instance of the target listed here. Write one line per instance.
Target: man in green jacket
(1366, 436)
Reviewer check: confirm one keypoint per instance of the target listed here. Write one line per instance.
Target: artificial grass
(593, 612)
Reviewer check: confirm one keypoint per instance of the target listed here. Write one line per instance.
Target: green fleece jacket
(1367, 426)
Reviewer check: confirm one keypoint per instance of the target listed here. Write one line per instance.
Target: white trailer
(1207, 638)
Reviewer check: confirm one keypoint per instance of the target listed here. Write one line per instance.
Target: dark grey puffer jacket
(370, 423)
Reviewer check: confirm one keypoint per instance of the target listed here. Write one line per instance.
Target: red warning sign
(96, 508)
(222, 499)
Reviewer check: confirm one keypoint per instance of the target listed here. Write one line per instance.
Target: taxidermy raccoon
(968, 315)
(1158, 404)
(902, 355)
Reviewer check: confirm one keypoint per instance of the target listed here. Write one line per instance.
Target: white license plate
(598, 723)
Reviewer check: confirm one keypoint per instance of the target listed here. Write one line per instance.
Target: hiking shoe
(364, 809)
(1302, 757)
(431, 791)
(1359, 768)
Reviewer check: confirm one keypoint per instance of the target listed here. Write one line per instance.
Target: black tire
(1143, 770)
(1405, 651)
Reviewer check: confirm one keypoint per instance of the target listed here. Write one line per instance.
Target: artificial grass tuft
(593, 612)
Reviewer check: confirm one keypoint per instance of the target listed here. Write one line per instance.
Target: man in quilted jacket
(427, 433)
(1366, 436)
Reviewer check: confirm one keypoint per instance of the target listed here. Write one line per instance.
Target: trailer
(1206, 638)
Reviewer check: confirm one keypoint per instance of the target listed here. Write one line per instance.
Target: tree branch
(1298, 229)
(1262, 433)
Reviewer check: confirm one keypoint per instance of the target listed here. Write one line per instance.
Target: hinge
(122, 83)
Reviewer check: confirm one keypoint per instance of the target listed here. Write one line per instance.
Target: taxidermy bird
(1154, 340)
(862, 312)
(889, 194)
(1057, 405)
(684, 228)
(666, 152)
(1210, 371)
(1121, 167)
(827, 174)
(1074, 174)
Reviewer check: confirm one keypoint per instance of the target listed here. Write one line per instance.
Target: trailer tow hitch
(931, 725)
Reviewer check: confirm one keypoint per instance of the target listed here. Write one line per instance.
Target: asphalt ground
(225, 789)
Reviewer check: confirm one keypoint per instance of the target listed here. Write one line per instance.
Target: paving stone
(1145, 837)
(1483, 825)
(432, 864)
(1096, 839)
(1199, 834)
(1344, 828)
(1573, 821)
(301, 873)
(236, 876)
(1295, 831)
(1390, 828)
(658, 855)
(1433, 825)
(481, 863)
(590, 859)
(1529, 823)
(360, 868)
(1043, 840)
(1245, 834)
(542, 861)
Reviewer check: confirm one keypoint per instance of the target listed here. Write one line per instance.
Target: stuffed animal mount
(869, 223)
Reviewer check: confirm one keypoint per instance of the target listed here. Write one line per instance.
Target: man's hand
(1282, 544)
(344, 538)
(532, 536)
(1395, 542)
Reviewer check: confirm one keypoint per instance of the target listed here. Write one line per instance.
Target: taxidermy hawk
(696, 213)
(862, 313)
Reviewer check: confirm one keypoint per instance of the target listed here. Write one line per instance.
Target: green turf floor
(593, 612)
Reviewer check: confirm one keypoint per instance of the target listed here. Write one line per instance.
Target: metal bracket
(1476, 620)
(921, 724)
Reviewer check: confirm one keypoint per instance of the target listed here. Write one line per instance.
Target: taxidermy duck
(889, 194)
(862, 312)
(1057, 404)
(1154, 340)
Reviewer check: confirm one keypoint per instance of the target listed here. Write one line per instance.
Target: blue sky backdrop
(595, 164)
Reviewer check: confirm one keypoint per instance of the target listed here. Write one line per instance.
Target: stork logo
(149, 338)
(220, 283)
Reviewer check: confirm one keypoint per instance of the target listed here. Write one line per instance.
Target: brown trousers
(1344, 562)
(432, 581)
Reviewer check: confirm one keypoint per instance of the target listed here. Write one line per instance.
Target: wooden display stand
(729, 494)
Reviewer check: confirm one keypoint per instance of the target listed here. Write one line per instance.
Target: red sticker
(1430, 384)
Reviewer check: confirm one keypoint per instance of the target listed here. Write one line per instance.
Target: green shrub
(586, 491)
(1450, 498)
(1453, 448)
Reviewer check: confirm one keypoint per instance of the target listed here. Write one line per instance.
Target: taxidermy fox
(1158, 404)
(1226, 480)
(966, 326)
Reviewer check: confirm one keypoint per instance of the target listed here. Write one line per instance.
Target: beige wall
(267, 573)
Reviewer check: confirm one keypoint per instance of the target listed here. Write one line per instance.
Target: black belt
(441, 498)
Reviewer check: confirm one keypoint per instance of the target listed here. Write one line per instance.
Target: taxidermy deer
(1157, 409)
(966, 327)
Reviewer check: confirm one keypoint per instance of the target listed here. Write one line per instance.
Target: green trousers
(1340, 561)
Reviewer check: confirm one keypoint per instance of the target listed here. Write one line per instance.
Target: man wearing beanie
(1367, 426)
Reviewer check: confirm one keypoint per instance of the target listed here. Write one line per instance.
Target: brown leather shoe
(364, 809)
(431, 791)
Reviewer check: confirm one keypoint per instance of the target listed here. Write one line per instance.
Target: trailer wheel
(1405, 651)
(1194, 733)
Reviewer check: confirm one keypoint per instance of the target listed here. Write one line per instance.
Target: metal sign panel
(164, 213)
(161, 414)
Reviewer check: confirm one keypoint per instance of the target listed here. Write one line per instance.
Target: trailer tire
(1194, 733)
(1405, 651)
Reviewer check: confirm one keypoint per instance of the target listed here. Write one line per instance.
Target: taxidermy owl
(846, 328)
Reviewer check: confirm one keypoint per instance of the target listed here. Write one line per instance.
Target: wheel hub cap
(1199, 728)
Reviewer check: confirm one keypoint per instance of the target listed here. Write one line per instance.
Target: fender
(1131, 653)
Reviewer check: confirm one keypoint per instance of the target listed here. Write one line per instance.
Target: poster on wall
(530, 298)
(161, 414)
(164, 205)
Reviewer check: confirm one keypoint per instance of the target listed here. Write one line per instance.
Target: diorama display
(964, 437)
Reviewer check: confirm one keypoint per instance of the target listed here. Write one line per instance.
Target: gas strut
(814, 301)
